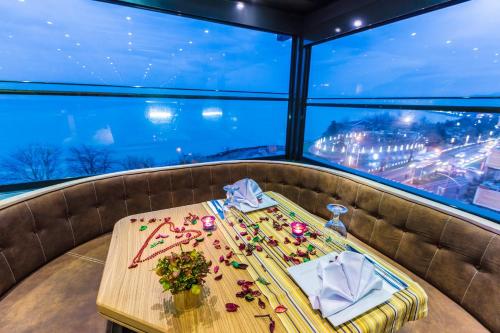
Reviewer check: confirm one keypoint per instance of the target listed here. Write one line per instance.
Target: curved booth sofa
(53, 242)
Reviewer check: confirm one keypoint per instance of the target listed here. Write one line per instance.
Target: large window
(414, 102)
(89, 87)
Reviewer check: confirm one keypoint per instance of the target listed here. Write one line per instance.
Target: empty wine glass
(230, 190)
(335, 224)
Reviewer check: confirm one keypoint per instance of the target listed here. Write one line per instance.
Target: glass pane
(86, 41)
(453, 155)
(50, 137)
(451, 52)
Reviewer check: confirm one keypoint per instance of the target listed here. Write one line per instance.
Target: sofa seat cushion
(444, 315)
(61, 295)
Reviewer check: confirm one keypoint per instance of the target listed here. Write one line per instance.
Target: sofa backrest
(454, 255)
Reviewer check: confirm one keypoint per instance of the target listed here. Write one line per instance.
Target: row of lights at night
(362, 150)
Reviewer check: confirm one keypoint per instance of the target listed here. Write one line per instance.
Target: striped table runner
(269, 264)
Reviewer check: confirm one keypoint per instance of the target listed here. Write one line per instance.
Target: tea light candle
(298, 228)
(208, 222)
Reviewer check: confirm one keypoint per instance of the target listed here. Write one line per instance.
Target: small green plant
(183, 271)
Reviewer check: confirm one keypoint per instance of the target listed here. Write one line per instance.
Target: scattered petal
(231, 307)
(216, 269)
(263, 281)
(280, 309)
(262, 305)
(272, 326)
(218, 277)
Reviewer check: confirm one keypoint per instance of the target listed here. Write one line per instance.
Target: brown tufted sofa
(53, 242)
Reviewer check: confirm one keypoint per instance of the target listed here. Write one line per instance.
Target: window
(416, 103)
(90, 87)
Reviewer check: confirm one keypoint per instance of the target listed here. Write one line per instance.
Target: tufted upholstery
(455, 256)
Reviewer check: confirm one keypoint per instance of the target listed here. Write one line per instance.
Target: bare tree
(89, 160)
(32, 163)
(135, 162)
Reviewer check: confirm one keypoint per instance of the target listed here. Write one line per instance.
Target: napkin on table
(344, 281)
(248, 193)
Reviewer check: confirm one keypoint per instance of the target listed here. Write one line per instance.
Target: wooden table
(134, 299)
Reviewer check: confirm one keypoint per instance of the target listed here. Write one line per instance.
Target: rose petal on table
(280, 309)
(221, 258)
(216, 269)
(262, 305)
(218, 277)
(231, 307)
(272, 326)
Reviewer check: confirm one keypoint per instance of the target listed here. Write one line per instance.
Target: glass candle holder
(298, 229)
(208, 222)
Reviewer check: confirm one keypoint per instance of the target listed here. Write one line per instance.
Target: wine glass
(335, 224)
(230, 190)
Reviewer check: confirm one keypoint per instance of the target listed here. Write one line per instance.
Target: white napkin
(248, 192)
(344, 281)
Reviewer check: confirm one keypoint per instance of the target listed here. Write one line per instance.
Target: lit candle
(208, 222)
(298, 228)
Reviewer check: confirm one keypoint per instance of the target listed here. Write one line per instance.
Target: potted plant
(183, 274)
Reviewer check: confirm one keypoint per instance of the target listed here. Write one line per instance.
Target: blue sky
(85, 41)
(449, 52)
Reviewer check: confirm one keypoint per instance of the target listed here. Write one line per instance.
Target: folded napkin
(344, 281)
(248, 192)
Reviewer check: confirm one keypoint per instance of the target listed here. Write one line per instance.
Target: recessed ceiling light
(240, 5)
(413, 34)
(357, 23)
(128, 18)
(206, 31)
(337, 30)
(49, 22)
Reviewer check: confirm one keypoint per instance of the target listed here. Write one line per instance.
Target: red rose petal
(262, 305)
(231, 307)
(216, 269)
(218, 277)
(221, 258)
(280, 309)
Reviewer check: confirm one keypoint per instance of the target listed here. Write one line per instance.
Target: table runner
(270, 265)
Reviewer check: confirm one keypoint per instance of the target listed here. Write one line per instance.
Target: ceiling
(296, 6)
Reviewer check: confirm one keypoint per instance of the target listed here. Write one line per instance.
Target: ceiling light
(337, 30)
(240, 5)
(206, 31)
(49, 23)
(413, 34)
(128, 18)
(357, 23)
